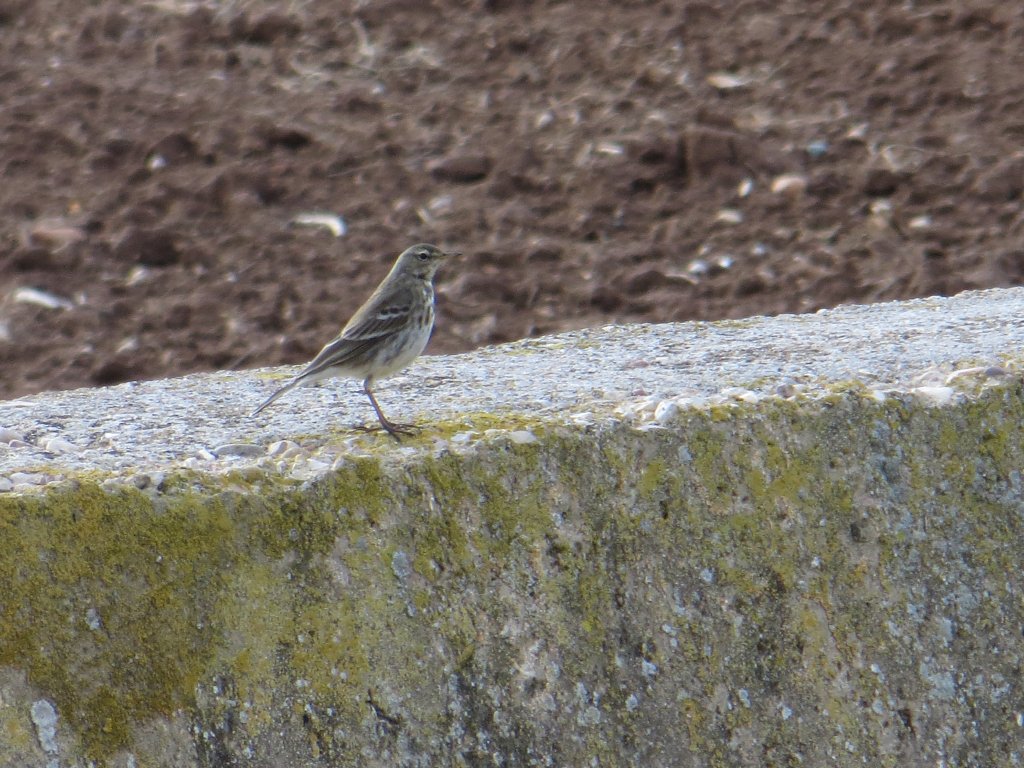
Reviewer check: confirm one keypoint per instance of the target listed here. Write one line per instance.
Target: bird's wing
(382, 315)
(378, 318)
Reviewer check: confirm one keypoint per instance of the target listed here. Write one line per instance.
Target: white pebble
(666, 411)
(138, 274)
(40, 299)
(729, 216)
(283, 448)
(583, 418)
(789, 184)
(27, 478)
(522, 437)
(59, 445)
(693, 401)
(463, 437)
(938, 396)
(5, 484)
(6, 435)
(733, 392)
(329, 221)
(697, 267)
(727, 81)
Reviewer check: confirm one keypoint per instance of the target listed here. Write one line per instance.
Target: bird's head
(422, 260)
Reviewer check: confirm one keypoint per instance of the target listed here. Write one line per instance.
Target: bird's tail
(273, 397)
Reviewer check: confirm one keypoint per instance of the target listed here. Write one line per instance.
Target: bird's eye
(423, 255)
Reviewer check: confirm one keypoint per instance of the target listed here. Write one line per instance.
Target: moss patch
(781, 579)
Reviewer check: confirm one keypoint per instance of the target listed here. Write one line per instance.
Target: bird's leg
(390, 427)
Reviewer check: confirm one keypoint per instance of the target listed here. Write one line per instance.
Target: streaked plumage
(386, 334)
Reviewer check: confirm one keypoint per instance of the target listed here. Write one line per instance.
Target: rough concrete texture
(789, 541)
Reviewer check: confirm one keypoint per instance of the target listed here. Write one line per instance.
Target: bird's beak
(452, 254)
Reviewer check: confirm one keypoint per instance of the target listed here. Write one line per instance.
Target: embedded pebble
(697, 268)
(729, 216)
(308, 468)
(817, 148)
(461, 169)
(938, 396)
(40, 298)
(666, 411)
(238, 449)
(734, 392)
(60, 445)
(7, 435)
(148, 480)
(5, 485)
(727, 81)
(27, 478)
(789, 184)
(463, 437)
(400, 565)
(787, 390)
(522, 437)
(283, 448)
(695, 401)
(583, 418)
(44, 717)
(329, 221)
(106, 440)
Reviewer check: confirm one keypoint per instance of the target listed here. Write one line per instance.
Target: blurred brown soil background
(600, 161)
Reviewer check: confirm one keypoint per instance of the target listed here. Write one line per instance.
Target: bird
(386, 333)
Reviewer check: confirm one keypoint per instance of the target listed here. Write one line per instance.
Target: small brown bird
(385, 334)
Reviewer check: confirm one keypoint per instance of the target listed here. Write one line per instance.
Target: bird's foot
(393, 429)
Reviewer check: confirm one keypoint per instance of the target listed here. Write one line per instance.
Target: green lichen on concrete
(102, 651)
(813, 582)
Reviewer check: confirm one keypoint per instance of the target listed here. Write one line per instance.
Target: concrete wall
(788, 541)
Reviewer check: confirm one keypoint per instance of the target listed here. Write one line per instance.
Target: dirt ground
(600, 161)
